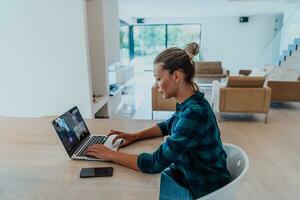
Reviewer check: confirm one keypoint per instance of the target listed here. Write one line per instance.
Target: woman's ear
(177, 76)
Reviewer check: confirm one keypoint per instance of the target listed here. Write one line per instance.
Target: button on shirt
(193, 150)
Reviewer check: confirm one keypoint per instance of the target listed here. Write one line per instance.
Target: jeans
(170, 189)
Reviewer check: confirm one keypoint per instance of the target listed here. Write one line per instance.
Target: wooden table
(34, 164)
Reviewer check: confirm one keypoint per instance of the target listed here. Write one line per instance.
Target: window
(124, 43)
(148, 42)
(143, 42)
(180, 35)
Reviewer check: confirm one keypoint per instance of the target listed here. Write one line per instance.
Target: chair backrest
(208, 67)
(160, 103)
(245, 81)
(237, 164)
(244, 94)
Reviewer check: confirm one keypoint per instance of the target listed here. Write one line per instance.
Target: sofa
(241, 94)
(206, 72)
(284, 82)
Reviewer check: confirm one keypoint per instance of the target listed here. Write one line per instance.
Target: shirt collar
(185, 104)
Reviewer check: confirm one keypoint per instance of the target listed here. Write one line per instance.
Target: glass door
(148, 42)
(180, 35)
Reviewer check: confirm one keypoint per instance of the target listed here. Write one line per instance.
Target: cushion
(208, 68)
(284, 74)
(211, 75)
(245, 81)
(244, 72)
(258, 72)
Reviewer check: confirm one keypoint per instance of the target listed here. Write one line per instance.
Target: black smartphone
(96, 172)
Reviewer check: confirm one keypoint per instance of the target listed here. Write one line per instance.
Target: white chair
(237, 164)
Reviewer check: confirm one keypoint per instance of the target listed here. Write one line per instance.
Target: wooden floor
(273, 150)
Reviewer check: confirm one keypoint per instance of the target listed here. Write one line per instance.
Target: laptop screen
(71, 129)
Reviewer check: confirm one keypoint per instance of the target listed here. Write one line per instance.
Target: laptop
(76, 138)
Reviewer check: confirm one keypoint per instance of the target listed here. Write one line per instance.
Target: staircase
(291, 57)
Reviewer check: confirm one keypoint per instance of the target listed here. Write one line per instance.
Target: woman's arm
(130, 160)
(129, 138)
(125, 159)
(149, 133)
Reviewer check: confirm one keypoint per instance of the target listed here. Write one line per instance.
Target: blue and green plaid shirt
(193, 150)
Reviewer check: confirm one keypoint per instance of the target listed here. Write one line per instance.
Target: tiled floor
(137, 100)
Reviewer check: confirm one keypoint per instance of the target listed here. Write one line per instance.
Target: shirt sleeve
(165, 126)
(186, 135)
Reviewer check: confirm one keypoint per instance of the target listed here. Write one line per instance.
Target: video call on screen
(71, 129)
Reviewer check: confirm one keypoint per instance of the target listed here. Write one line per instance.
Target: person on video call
(192, 160)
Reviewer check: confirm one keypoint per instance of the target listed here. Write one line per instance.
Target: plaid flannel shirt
(193, 150)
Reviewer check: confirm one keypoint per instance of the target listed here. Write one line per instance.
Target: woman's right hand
(128, 138)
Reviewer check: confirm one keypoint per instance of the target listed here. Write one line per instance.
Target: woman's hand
(127, 137)
(100, 151)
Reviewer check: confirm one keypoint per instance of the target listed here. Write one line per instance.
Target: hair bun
(192, 49)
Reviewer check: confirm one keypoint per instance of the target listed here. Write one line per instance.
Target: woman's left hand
(100, 151)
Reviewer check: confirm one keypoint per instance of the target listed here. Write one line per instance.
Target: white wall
(94, 10)
(237, 45)
(126, 17)
(104, 43)
(111, 31)
(44, 60)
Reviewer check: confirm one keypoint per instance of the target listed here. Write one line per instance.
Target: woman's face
(166, 83)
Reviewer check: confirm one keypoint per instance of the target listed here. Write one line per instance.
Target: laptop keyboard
(93, 140)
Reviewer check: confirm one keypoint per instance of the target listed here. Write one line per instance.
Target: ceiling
(203, 8)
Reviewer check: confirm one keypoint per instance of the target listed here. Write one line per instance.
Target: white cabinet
(124, 73)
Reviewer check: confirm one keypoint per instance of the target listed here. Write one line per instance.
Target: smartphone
(96, 172)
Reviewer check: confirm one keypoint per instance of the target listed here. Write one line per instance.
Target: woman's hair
(174, 58)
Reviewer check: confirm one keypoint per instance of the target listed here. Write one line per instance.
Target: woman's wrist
(128, 160)
(111, 156)
(137, 136)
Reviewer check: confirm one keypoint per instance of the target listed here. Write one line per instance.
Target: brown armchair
(241, 94)
(285, 90)
(161, 104)
(206, 72)
(244, 72)
(283, 81)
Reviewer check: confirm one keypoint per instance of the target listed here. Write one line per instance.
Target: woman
(192, 159)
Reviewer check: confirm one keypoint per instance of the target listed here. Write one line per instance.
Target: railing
(289, 52)
(285, 54)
